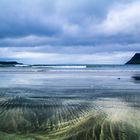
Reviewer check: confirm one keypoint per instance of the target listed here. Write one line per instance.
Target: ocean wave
(63, 66)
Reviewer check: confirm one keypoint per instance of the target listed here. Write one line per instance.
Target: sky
(69, 31)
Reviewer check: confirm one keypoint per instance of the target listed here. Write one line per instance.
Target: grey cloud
(49, 18)
(68, 28)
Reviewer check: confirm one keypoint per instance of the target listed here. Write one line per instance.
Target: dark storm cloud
(49, 17)
(23, 18)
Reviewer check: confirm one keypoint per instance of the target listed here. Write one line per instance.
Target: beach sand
(69, 104)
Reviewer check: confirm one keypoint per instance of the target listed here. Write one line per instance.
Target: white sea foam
(18, 65)
(63, 66)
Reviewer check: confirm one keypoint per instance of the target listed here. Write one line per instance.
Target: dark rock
(136, 77)
(135, 59)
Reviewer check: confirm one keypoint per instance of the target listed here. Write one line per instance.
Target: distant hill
(9, 63)
(135, 59)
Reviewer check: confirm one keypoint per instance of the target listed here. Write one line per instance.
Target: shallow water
(45, 103)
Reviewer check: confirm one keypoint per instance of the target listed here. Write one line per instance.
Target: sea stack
(135, 59)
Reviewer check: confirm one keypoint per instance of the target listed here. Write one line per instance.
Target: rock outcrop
(135, 59)
(9, 63)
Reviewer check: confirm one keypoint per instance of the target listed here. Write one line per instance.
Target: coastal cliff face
(135, 59)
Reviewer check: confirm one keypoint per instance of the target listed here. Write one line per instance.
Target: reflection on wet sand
(69, 117)
(136, 77)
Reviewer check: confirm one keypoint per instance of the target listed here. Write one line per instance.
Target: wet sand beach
(96, 103)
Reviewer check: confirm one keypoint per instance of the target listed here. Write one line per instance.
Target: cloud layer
(59, 31)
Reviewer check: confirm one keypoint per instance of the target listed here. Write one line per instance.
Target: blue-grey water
(99, 102)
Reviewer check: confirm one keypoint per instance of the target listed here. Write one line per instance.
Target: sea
(70, 102)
